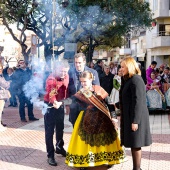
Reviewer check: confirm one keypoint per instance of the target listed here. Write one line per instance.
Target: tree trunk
(47, 54)
(90, 54)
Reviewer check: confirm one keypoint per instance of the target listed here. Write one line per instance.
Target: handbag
(4, 94)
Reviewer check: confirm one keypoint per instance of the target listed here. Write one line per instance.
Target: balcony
(125, 51)
(161, 39)
(162, 9)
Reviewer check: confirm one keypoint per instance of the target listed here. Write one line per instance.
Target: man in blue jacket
(74, 82)
(23, 75)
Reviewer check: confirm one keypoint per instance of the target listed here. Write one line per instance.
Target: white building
(158, 39)
(154, 44)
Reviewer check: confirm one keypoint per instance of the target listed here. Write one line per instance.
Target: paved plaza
(22, 145)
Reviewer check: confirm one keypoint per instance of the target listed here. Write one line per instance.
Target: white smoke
(34, 87)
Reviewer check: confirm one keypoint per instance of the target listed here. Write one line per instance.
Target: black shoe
(33, 119)
(52, 161)
(10, 105)
(61, 151)
(23, 120)
(83, 168)
(15, 105)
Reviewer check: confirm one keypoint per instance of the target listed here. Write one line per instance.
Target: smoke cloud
(34, 87)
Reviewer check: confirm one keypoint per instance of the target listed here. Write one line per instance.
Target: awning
(141, 55)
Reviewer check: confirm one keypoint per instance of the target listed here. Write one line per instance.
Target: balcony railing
(161, 39)
(161, 33)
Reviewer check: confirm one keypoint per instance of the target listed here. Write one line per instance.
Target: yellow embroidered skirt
(80, 154)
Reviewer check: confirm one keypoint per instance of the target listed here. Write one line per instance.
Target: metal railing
(161, 33)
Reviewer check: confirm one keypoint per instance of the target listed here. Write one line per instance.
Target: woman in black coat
(135, 128)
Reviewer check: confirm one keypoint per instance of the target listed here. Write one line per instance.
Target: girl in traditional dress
(114, 96)
(94, 141)
(165, 79)
(155, 97)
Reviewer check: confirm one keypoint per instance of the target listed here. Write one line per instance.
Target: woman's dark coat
(134, 110)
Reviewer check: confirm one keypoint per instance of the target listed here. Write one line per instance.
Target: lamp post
(38, 47)
(64, 4)
(53, 30)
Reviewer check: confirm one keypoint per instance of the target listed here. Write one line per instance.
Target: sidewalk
(22, 145)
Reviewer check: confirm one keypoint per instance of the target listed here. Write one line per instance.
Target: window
(141, 44)
(155, 5)
(164, 30)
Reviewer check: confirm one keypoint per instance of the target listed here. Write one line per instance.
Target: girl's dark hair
(153, 63)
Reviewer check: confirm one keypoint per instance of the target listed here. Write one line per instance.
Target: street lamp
(64, 3)
(52, 29)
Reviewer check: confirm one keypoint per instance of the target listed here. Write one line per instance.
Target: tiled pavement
(22, 145)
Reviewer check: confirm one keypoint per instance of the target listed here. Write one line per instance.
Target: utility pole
(90, 48)
(53, 28)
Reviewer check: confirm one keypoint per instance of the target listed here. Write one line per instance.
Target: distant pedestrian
(106, 82)
(106, 79)
(91, 65)
(135, 127)
(11, 77)
(114, 96)
(113, 68)
(99, 67)
(23, 75)
(149, 71)
(143, 72)
(165, 79)
(3, 85)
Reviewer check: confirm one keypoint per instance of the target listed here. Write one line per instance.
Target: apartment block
(158, 38)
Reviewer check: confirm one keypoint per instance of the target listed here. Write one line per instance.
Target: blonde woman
(135, 128)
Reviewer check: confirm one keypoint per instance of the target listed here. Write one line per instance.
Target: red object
(58, 85)
(153, 24)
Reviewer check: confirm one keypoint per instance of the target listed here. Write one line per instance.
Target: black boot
(52, 161)
(60, 149)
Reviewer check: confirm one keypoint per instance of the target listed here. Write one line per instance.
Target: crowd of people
(93, 96)
(158, 85)
(14, 80)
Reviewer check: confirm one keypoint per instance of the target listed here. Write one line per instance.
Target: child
(94, 141)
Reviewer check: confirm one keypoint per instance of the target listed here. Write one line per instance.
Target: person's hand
(115, 123)
(67, 111)
(134, 126)
(57, 104)
(154, 81)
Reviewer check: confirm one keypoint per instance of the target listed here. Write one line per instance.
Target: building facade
(154, 44)
(158, 38)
